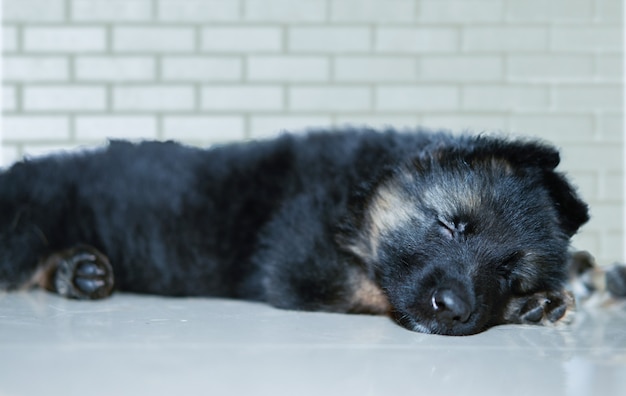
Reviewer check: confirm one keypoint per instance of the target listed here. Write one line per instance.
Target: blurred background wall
(77, 72)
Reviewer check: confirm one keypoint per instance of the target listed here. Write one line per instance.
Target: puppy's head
(463, 227)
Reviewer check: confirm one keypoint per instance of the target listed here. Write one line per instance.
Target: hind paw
(81, 273)
(543, 308)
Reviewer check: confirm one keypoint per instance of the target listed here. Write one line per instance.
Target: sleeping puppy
(446, 234)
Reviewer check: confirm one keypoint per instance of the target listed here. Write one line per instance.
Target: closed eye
(446, 229)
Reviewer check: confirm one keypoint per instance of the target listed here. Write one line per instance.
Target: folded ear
(572, 211)
(520, 153)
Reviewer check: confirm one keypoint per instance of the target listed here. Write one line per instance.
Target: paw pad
(83, 273)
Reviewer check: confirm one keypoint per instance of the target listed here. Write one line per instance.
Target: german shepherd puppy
(446, 234)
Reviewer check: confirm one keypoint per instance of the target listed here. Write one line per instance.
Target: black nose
(449, 307)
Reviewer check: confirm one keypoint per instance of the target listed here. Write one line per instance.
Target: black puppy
(448, 235)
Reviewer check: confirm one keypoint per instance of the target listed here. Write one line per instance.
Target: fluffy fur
(446, 234)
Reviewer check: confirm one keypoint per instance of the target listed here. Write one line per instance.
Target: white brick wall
(34, 10)
(111, 10)
(99, 128)
(77, 72)
(416, 40)
(31, 69)
(201, 69)
(153, 39)
(242, 98)
(242, 39)
(64, 39)
(114, 69)
(198, 11)
(59, 98)
(156, 98)
(293, 68)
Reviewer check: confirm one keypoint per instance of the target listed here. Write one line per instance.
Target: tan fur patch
(387, 211)
(367, 297)
(44, 275)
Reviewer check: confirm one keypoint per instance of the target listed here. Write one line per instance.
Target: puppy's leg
(542, 308)
(81, 272)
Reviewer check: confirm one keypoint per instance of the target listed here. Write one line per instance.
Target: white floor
(142, 345)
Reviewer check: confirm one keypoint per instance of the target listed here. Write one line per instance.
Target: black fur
(447, 234)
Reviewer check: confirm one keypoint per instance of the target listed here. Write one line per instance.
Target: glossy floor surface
(142, 345)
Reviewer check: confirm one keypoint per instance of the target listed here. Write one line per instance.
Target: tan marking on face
(388, 210)
(367, 296)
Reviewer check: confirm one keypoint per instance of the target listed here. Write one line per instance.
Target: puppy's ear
(521, 153)
(573, 212)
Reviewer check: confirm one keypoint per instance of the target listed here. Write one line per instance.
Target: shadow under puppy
(446, 234)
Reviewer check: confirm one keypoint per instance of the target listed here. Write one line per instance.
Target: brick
(33, 10)
(588, 97)
(97, 128)
(375, 69)
(417, 98)
(198, 10)
(242, 97)
(605, 217)
(242, 39)
(505, 98)
(330, 98)
(374, 11)
(549, 68)
(103, 68)
(154, 98)
(205, 129)
(461, 68)
(9, 39)
(589, 39)
(611, 127)
(329, 39)
(609, 11)
(64, 98)
(28, 69)
(587, 240)
(459, 122)
(549, 11)
(609, 67)
(416, 40)
(504, 38)
(270, 126)
(612, 250)
(111, 10)
(292, 68)
(460, 11)
(9, 98)
(153, 39)
(189, 68)
(555, 127)
(613, 189)
(285, 10)
(30, 128)
(586, 183)
(64, 39)
(603, 157)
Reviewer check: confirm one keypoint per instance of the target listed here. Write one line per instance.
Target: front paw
(83, 273)
(542, 308)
